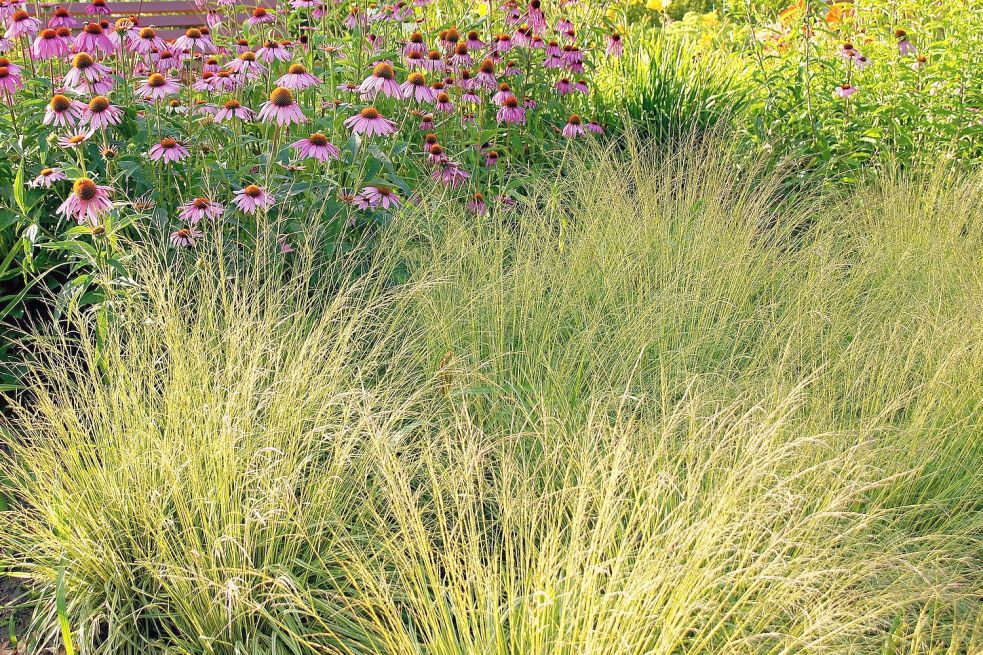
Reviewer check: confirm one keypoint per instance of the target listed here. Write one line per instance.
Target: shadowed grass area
(647, 413)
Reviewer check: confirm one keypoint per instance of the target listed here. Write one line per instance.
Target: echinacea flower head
(905, 46)
(273, 51)
(477, 205)
(99, 114)
(87, 203)
(615, 46)
(21, 24)
(146, 40)
(93, 38)
(415, 87)
(61, 17)
(370, 122)
(185, 237)
(85, 73)
(316, 146)
(48, 45)
(451, 174)
(157, 87)
(63, 111)
(281, 108)
(383, 79)
(198, 209)
(845, 91)
(377, 197)
(511, 112)
(297, 78)
(74, 140)
(574, 127)
(232, 110)
(47, 177)
(9, 82)
(168, 151)
(260, 16)
(252, 198)
(98, 7)
(193, 40)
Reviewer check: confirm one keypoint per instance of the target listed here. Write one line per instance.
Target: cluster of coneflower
(488, 93)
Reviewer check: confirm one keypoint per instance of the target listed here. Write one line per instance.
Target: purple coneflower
(382, 79)
(491, 158)
(595, 127)
(198, 209)
(503, 43)
(63, 111)
(87, 202)
(184, 237)
(486, 75)
(573, 128)
(93, 38)
(297, 78)
(521, 38)
(62, 18)
(564, 86)
(21, 24)
(477, 205)
(369, 122)
(905, 46)
(845, 91)
(252, 198)
(511, 112)
(615, 46)
(316, 146)
(377, 197)
(415, 44)
(146, 41)
(436, 154)
(9, 82)
(246, 64)
(168, 150)
(260, 16)
(48, 45)
(233, 110)
(74, 140)
(503, 94)
(85, 72)
(434, 61)
(194, 39)
(281, 108)
(474, 42)
(451, 174)
(99, 114)
(461, 57)
(443, 103)
(535, 17)
(157, 87)
(47, 177)
(98, 7)
(415, 87)
(165, 60)
(273, 51)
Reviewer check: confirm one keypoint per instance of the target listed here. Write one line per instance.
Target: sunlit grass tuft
(655, 411)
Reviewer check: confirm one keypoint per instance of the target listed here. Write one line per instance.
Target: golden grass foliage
(649, 413)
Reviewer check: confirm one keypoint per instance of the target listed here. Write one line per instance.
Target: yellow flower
(658, 5)
(710, 19)
(481, 9)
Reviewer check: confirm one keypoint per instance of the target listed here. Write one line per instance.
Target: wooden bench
(171, 18)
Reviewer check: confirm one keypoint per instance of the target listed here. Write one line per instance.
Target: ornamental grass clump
(652, 411)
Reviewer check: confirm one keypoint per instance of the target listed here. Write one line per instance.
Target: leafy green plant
(669, 92)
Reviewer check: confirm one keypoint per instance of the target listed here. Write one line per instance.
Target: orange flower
(792, 13)
(839, 11)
